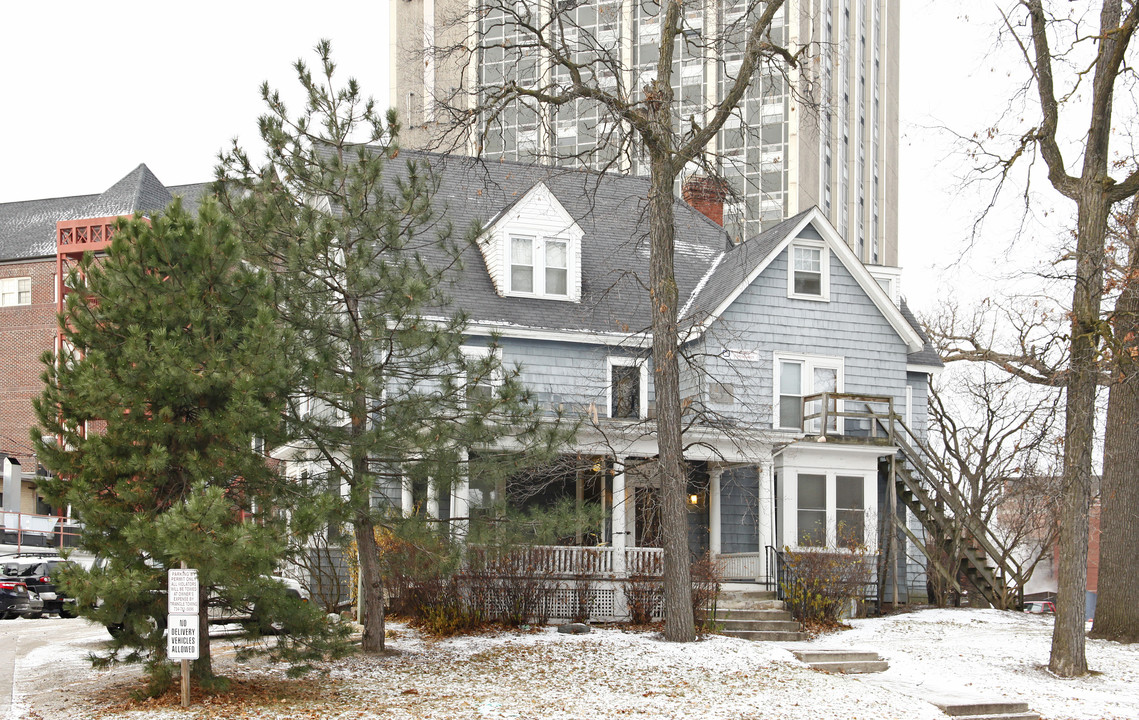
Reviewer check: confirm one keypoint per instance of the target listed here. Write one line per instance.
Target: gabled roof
(742, 264)
(27, 229)
(926, 358)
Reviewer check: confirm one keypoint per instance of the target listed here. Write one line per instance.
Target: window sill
(536, 296)
(812, 298)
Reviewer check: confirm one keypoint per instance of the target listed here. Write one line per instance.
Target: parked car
(1038, 607)
(36, 573)
(13, 598)
(35, 609)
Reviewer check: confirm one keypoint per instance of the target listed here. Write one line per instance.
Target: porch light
(693, 499)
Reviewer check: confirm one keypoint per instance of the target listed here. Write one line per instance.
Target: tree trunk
(679, 624)
(371, 583)
(202, 668)
(1068, 658)
(1117, 612)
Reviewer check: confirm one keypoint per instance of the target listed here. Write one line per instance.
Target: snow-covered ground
(609, 673)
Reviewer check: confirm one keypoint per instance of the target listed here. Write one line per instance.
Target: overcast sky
(92, 89)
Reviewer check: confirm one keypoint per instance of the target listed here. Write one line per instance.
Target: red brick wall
(26, 331)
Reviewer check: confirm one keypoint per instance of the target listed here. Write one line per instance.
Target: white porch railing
(644, 561)
(584, 562)
(569, 560)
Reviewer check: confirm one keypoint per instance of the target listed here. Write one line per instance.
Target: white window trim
(810, 363)
(476, 352)
(538, 263)
(643, 400)
(825, 267)
(11, 286)
(869, 503)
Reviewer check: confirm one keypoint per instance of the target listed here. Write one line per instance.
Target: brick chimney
(707, 195)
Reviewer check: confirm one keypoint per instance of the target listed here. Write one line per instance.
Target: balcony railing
(28, 532)
(848, 414)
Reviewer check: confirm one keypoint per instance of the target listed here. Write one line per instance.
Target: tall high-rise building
(823, 133)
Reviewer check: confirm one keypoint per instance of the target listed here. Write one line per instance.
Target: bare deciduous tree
(998, 442)
(563, 58)
(1075, 69)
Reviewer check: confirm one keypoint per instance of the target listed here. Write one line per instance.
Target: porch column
(714, 511)
(766, 506)
(461, 499)
(406, 501)
(619, 525)
(432, 498)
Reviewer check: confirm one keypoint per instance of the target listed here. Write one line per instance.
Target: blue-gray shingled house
(801, 365)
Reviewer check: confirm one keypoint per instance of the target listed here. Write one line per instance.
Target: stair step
(819, 656)
(852, 667)
(723, 614)
(1001, 716)
(983, 708)
(843, 661)
(730, 604)
(772, 625)
(768, 636)
(749, 595)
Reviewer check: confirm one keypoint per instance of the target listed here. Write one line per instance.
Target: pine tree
(361, 263)
(169, 369)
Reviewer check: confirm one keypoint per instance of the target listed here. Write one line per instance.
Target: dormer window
(808, 276)
(539, 266)
(533, 249)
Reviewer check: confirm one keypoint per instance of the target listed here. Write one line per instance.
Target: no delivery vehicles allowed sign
(182, 620)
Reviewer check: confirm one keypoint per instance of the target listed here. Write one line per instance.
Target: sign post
(182, 637)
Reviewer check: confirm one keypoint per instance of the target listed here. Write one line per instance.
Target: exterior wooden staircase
(924, 485)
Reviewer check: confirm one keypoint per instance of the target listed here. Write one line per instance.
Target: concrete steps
(842, 661)
(985, 710)
(756, 615)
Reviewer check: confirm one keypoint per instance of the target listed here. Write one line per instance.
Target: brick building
(39, 240)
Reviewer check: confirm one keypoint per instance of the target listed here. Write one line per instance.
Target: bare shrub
(706, 576)
(512, 585)
(820, 584)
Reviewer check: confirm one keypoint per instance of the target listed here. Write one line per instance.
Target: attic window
(808, 276)
(539, 266)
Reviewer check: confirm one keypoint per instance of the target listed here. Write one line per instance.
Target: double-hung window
(797, 376)
(482, 374)
(808, 276)
(522, 264)
(539, 266)
(15, 291)
(628, 388)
